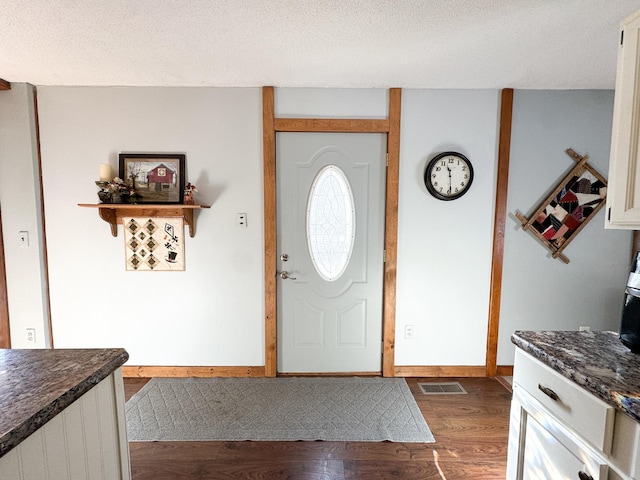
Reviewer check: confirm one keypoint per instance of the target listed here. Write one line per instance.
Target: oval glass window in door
(331, 222)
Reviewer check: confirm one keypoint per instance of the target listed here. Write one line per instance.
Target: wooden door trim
(391, 234)
(390, 126)
(331, 125)
(500, 215)
(270, 232)
(5, 332)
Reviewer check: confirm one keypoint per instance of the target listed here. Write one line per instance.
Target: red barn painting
(161, 177)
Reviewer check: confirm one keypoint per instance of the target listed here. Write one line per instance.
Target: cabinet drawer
(545, 458)
(578, 409)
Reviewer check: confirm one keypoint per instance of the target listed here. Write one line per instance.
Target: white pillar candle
(105, 172)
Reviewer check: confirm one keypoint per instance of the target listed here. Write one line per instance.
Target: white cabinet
(546, 457)
(623, 196)
(557, 430)
(87, 440)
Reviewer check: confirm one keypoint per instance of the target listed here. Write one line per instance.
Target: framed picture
(155, 177)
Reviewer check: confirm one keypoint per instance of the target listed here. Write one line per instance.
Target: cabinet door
(545, 458)
(623, 196)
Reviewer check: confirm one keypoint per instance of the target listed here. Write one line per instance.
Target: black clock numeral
(448, 175)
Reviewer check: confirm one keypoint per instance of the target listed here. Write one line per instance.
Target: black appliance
(630, 323)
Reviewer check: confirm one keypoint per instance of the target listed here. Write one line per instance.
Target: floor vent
(442, 388)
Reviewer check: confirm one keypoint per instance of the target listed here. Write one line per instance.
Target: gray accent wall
(539, 293)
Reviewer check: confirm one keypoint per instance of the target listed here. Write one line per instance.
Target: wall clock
(448, 176)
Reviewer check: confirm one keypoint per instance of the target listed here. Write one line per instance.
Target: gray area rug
(272, 409)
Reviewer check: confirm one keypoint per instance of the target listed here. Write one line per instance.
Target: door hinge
(384, 256)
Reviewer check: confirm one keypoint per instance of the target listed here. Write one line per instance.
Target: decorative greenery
(116, 191)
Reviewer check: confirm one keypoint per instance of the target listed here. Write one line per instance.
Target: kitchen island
(575, 411)
(62, 414)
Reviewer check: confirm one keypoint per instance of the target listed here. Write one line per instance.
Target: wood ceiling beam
(4, 85)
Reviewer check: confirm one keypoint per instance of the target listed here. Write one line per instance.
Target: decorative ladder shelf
(112, 213)
(558, 206)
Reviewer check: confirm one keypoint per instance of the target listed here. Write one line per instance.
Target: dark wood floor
(470, 431)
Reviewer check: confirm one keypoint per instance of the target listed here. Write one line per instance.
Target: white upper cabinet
(623, 197)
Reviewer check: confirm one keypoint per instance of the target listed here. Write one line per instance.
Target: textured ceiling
(550, 44)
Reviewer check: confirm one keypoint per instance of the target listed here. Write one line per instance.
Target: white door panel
(330, 321)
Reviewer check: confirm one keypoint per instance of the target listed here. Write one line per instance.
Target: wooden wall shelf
(112, 213)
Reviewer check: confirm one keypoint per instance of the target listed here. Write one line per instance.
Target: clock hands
(459, 171)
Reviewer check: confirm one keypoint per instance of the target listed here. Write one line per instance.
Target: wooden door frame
(391, 127)
(499, 220)
(5, 331)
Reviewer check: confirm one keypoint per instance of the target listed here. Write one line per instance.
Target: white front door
(330, 242)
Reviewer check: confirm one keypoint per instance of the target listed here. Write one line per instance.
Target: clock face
(448, 176)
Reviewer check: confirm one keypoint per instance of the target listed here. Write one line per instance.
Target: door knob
(285, 275)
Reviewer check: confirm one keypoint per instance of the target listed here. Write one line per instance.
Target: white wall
(538, 292)
(210, 314)
(444, 248)
(20, 201)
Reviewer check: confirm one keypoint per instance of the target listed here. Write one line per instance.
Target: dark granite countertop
(36, 385)
(597, 361)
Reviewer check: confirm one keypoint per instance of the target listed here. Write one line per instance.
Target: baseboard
(168, 371)
(449, 371)
(331, 374)
(506, 384)
(255, 372)
(440, 371)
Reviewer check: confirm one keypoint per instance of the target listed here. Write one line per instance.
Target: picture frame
(155, 177)
(566, 211)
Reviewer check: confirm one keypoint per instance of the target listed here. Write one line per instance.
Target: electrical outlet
(585, 328)
(31, 335)
(241, 218)
(408, 331)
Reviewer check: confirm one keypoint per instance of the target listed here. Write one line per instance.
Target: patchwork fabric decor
(154, 244)
(568, 209)
(575, 203)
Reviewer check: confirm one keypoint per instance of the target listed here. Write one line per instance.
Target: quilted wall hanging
(564, 213)
(154, 244)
